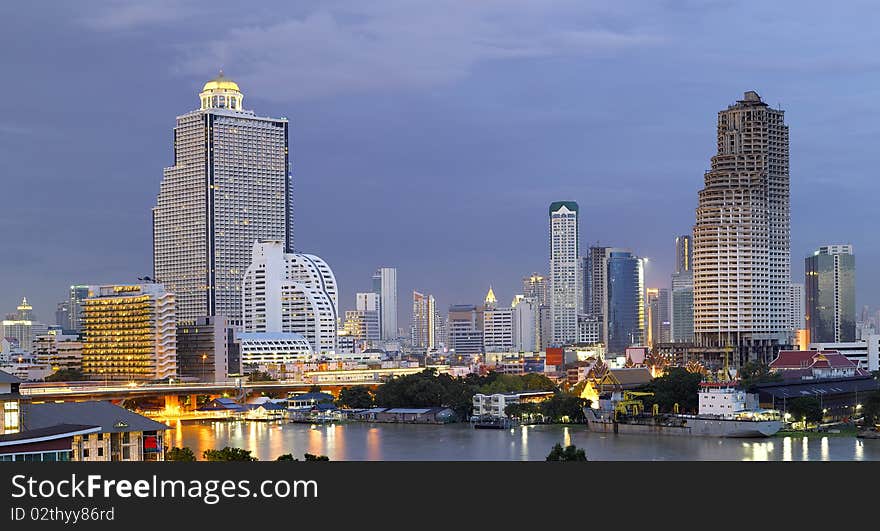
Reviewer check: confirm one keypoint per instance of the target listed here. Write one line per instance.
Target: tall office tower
(797, 308)
(583, 285)
(62, 315)
(465, 329)
(657, 316)
(129, 333)
(742, 250)
(624, 325)
(597, 277)
(683, 291)
(564, 288)
(22, 327)
(76, 296)
(362, 323)
(498, 333)
(229, 187)
(424, 325)
(535, 287)
(385, 285)
(290, 293)
(525, 325)
(830, 290)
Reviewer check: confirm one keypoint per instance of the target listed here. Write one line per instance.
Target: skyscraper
(290, 293)
(385, 285)
(424, 326)
(498, 323)
(535, 288)
(797, 308)
(742, 256)
(597, 277)
(229, 187)
(465, 330)
(564, 255)
(525, 325)
(362, 323)
(683, 291)
(77, 294)
(625, 308)
(657, 316)
(830, 294)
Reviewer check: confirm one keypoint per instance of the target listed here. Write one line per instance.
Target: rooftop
(111, 418)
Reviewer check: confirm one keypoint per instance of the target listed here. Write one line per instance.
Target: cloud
(399, 45)
(120, 15)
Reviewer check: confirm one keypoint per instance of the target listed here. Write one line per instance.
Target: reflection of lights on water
(860, 451)
(566, 437)
(760, 451)
(824, 448)
(524, 443)
(805, 449)
(786, 449)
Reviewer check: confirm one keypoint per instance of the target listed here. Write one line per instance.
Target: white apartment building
(498, 330)
(564, 267)
(291, 293)
(273, 348)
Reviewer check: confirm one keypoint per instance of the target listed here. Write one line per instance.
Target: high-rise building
(129, 333)
(525, 325)
(742, 255)
(229, 186)
(657, 316)
(564, 268)
(290, 293)
(589, 329)
(683, 291)
(385, 285)
(58, 351)
(624, 323)
(203, 349)
(21, 327)
(597, 276)
(830, 289)
(77, 294)
(362, 323)
(535, 288)
(583, 285)
(797, 308)
(62, 315)
(424, 326)
(465, 329)
(498, 323)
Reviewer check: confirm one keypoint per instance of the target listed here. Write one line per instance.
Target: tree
(357, 397)
(315, 388)
(180, 454)
(228, 454)
(871, 409)
(569, 453)
(308, 457)
(65, 375)
(286, 457)
(753, 373)
(805, 409)
(260, 376)
(677, 386)
(564, 407)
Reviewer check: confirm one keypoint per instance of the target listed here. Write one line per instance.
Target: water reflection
(362, 441)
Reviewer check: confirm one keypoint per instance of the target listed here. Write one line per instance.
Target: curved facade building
(625, 315)
(742, 255)
(290, 292)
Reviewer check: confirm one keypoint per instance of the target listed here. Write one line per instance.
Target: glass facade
(626, 314)
(830, 303)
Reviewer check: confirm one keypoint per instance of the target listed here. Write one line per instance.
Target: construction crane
(630, 405)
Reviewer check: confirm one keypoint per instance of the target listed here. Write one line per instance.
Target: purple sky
(430, 136)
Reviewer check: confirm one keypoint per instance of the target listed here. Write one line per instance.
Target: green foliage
(569, 453)
(677, 386)
(259, 376)
(561, 407)
(753, 373)
(805, 409)
(512, 383)
(308, 457)
(357, 397)
(315, 388)
(228, 454)
(871, 409)
(180, 454)
(66, 375)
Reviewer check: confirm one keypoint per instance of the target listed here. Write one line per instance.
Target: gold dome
(221, 83)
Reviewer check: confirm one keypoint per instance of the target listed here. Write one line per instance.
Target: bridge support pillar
(172, 402)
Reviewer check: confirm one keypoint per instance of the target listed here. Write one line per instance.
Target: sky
(430, 136)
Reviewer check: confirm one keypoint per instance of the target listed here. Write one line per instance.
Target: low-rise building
(493, 405)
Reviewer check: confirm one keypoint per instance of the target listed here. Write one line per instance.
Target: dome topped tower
(221, 93)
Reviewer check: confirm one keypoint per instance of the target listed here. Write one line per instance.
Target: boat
(489, 422)
(723, 412)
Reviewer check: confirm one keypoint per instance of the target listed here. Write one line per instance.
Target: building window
(10, 416)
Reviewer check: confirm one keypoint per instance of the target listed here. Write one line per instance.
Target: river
(460, 442)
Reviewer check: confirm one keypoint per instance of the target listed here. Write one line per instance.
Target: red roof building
(811, 364)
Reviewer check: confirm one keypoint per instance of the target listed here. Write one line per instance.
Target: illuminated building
(465, 330)
(742, 251)
(22, 327)
(624, 323)
(525, 325)
(564, 289)
(589, 329)
(58, 351)
(682, 321)
(657, 316)
(424, 326)
(229, 187)
(830, 286)
(77, 294)
(129, 333)
(498, 324)
(385, 285)
(362, 323)
(290, 293)
(796, 309)
(536, 289)
(273, 349)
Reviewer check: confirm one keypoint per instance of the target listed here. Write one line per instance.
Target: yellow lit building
(129, 333)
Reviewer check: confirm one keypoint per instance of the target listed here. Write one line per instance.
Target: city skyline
(89, 167)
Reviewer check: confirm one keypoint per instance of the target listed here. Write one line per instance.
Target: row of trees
(229, 454)
(561, 407)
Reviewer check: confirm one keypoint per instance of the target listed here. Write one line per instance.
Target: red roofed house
(811, 364)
